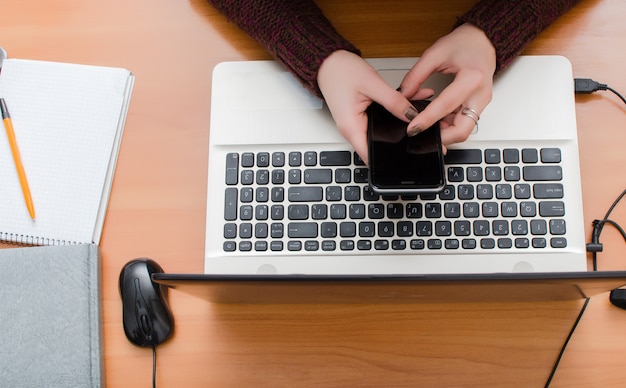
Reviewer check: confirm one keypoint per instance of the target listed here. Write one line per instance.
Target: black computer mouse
(146, 315)
(618, 297)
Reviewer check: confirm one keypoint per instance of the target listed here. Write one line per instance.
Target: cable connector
(587, 86)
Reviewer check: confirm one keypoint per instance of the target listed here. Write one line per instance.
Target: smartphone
(399, 164)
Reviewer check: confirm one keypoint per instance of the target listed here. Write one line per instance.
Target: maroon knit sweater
(299, 36)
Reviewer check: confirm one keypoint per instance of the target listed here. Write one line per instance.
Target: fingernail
(414, 130)
(410, 113)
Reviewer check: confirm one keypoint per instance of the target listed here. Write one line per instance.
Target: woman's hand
(349, 85)
(467, 53)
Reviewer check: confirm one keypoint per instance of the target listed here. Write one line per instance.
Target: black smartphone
(399, 164)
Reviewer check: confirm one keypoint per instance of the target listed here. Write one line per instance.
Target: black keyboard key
(302, 230)
(522, 242)
(451, 243)
(230, 204)
(364, 245)
(294, 246)
(346, 245)
(263, 159)
(468, 243)
(295, 159)
(558, 242)
(305, 194)
(471, 156)
(328, 229)
(462, 228)
(405, 229)
(298, 212)
(230, 230)
(550, 155)
(557, 227)
(548, 190)
(338, 211)
(551, 209)
(347, 229)
(328, 245)
(381, 245)
(318, 175)
(474, 174)
(352, 193)
(522, 191)
(367, 229)
(357, 160)
(311, 245)
(245, 246)
(278, 159)
(385, 229)
(310, 158)
(435, 243)
(343, 175)
(543, 173)
(247, 159)
(245, 230)
(530, 155)
(417, 244)
(357, 211)
(492, 155)
(395, 210)
(232, 168)
(361, 175)
(456, 174)
(319, 211)
(335, 158)
(510, 155)
(398, 245)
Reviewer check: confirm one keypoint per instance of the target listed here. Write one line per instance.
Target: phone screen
(401, 164)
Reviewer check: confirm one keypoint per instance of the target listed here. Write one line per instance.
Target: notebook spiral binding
(21, 239)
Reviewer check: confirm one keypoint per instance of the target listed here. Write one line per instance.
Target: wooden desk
(157, 207)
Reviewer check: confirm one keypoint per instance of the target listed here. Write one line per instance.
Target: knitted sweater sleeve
(295, 32)
(512, 24)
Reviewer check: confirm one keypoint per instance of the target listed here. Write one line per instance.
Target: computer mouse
(147, 318)
(618, 297)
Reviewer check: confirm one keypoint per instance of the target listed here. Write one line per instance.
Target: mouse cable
(154, 367)
(595, 245)
(588, 86)
(569, 336)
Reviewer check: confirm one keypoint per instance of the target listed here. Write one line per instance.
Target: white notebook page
(68, 120)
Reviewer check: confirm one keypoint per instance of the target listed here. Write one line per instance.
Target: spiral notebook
(68, 121)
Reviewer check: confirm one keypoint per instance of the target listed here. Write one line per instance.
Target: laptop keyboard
(305, 201)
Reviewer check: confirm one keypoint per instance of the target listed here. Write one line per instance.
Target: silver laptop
(512, 201)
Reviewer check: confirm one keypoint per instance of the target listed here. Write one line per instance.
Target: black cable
(616, 93)
(588, 86)
(569, 336)
(595, 245)
(154, 367)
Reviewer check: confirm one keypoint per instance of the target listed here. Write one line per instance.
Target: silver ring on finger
(471, 113)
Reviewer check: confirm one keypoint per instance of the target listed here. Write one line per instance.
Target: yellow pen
(6, 118)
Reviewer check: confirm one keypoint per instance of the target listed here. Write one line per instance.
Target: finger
(457, 132)
(423, 94)
(354, 130)
(450, 99)
(417, 75)
(391, 99)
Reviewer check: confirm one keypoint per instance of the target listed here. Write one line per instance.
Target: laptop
(507, 227)
(512, 202)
